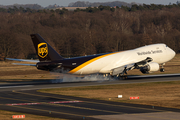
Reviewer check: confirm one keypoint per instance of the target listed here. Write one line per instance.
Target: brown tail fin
(44, 51)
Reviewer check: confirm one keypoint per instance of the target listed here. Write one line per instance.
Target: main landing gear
(122, 76)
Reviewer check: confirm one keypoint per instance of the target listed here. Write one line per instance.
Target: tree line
(84, 33)
(136, 7)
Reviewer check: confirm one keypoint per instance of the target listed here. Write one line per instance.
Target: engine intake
(151, 67)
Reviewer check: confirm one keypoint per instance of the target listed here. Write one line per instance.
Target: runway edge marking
(57, 102)
(86, 108)
(47, 111)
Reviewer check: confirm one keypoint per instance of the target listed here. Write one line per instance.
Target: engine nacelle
(48, 66)
(151, 67)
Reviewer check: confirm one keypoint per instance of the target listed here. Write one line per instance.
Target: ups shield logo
(42, 50)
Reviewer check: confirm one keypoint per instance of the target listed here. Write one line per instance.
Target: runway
(45, 84)
(23, 97)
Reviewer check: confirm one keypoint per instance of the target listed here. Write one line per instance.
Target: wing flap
(122, 69)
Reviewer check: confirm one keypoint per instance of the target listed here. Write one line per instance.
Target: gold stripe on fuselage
(89, 61)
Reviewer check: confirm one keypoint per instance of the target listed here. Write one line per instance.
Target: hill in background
(76, 4)
(96, 4)
(31, 6)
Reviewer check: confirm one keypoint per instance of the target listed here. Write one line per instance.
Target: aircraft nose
(171, 52)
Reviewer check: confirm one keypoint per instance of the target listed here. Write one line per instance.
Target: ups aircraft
(147, 59)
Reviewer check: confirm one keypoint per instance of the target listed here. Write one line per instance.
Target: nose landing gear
(162, 68)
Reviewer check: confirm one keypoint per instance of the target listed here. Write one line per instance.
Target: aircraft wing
(123, 69)
(23, 60)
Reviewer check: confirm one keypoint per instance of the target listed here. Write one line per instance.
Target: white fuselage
(160, 53)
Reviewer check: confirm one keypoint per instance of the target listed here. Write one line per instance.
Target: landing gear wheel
(162, 70)
(124, 77)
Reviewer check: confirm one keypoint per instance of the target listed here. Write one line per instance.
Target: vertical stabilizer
(44, 51)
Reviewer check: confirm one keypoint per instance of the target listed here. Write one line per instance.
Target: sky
(45, 3)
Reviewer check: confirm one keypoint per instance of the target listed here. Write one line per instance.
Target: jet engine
(149, 68)
(48, 66)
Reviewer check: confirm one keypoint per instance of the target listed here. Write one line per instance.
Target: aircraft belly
(89, 69)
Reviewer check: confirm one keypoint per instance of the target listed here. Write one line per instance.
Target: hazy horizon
(45, 3)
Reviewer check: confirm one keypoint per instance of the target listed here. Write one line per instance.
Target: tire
(162, 70)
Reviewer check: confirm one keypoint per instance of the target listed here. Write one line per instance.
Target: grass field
(10, 72)
(164, 94)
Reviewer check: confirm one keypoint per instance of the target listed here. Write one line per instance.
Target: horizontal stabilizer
(24, 64)
(23, 60)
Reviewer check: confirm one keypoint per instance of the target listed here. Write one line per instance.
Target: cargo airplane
(147, 59)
